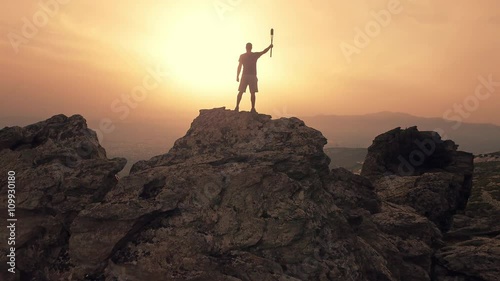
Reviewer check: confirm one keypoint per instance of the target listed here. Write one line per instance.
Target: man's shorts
(250, 81)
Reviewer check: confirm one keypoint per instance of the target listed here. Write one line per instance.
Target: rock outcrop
(419, 169)
(422, 171)
(59, 168)
(239, 197)
(473, 243)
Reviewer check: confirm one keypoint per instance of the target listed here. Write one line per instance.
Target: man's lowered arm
(238, 72)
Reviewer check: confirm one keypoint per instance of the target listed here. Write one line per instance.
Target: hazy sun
(201, 51)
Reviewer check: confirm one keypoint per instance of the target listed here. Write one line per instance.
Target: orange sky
(88, 57)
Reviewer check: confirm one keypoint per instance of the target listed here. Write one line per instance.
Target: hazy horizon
(35, 118)
(158, 135)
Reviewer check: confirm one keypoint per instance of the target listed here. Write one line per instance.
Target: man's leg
(252, 98)
(238, 100)
(253, 89)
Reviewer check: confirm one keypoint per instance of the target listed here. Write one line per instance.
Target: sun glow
(201, 51)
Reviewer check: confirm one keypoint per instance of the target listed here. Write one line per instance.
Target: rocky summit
(240, 197)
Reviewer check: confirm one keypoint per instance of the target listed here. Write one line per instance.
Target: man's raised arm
(266, 49)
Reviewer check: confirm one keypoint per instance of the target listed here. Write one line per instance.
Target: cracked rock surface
(239, 197)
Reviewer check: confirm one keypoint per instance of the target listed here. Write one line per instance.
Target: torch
(272, 35)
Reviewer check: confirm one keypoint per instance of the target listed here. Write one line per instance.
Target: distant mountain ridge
(359, 130)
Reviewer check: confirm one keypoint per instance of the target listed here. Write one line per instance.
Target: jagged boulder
(240, 197)
(400, 240)
(410, 152)
(473, 243)
(419, 169)
(59, 168)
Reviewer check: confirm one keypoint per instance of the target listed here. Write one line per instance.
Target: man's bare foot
(237, 109)
(253, 110)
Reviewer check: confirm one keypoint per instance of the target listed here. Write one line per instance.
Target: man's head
(249, 47)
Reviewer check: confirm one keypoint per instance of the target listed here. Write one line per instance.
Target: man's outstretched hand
(266, 49)
(237, 79)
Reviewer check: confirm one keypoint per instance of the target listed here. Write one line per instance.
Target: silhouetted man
(249, 77)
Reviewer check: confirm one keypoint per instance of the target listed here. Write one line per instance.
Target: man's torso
(249, 61)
